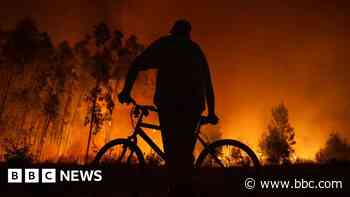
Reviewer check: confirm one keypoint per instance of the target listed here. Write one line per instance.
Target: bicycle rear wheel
(120, 152)
(227, 154)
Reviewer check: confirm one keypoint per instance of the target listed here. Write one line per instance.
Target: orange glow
(260, 54)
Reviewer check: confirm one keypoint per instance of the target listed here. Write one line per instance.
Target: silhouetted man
(183, 88)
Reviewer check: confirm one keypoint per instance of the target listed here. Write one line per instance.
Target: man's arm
(130, 79)
(210, 97)
(146, 60)
(209, 90)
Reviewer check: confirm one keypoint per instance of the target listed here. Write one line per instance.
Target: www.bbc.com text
(297, 184)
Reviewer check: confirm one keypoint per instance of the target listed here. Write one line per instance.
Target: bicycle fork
(133, 139)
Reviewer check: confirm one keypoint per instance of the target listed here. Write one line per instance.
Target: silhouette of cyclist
(182, 90)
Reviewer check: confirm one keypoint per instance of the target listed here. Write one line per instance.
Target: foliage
(238, 158)
(100, 98)
(43, 85)
(336, 149)
(102, 34)
(17, 153)
(100, 114)
(22, 43)
(51, 106)
(277, 142)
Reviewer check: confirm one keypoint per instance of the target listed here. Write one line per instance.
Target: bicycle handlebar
(145, 109)
(205, 120)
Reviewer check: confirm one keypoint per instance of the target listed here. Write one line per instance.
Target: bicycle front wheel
(227, 154)
(120, 152)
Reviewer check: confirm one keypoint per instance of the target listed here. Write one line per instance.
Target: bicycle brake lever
(205, 120)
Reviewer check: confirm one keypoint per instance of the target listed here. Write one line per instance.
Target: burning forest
(55, 100)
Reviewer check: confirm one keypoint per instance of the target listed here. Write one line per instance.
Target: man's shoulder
(161, 42)
(170, 40)
(162, 39)
(195, 45)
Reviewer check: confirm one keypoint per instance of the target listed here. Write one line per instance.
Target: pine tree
(277, 142)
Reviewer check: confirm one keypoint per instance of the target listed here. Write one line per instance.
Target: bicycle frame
(138, 131)
(141, 111)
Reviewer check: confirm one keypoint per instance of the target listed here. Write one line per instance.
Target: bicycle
(224, 153)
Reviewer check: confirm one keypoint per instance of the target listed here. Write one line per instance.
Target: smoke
(63, 19)
(261, 53)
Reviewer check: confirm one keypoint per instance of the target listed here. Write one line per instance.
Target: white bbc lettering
(31, 175)
(14, 175)
(74, 175)
(80, 175)
(48, 175)
(86, 175)
(64, 175)
(98, 175)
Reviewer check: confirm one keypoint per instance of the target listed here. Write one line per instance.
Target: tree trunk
(4, 100)
(43, 138)
(71, 121)
(92, 119)
(63, 124)
(114, 93)
(24, 118)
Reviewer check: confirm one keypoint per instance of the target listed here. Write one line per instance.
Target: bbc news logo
(51, 175)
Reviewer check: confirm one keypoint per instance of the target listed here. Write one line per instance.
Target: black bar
(151, 143)
(149, 126)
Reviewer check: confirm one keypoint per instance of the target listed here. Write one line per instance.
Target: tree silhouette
(25, 99)
(117, 40)
(44, 87)
(17, 152)
(100, 71)
(101, 34)
(3, 36)
(133, 46)
(335, 149)
(277, 142)
(67, 76)
(238, 158)
(20, 48)
(50, 110)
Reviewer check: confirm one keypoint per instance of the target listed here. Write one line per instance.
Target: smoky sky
(63, 19)
(261, 53)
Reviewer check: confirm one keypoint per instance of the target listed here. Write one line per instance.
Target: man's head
(181, 28)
